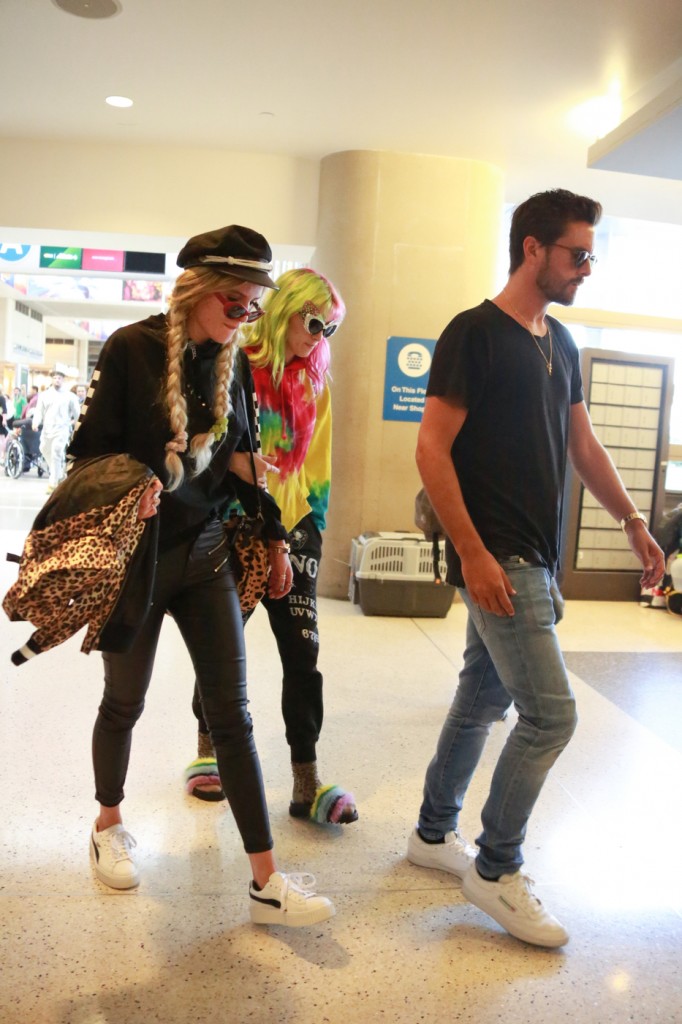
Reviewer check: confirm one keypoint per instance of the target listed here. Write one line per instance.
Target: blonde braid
(177, 406)
(190, 287)
(201, 444)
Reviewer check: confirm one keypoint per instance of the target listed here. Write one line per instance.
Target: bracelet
(630, 518)
(280, 546)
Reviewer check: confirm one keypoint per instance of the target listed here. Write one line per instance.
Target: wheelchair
(22, 452)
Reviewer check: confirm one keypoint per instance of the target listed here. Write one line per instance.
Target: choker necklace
(548, 362)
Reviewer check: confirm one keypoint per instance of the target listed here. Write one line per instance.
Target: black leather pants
(200, 595)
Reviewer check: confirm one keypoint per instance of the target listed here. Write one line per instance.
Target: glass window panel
(638, 342)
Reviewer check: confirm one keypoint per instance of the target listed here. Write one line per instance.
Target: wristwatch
(630, 517)
(280, 545)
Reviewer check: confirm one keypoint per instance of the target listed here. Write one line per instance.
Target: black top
(510, 455)
(127, 413)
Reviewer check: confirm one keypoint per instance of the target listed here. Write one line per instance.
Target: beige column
(410, 241)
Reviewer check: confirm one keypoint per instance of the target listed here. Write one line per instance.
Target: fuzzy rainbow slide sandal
(332, 806)
(203, 771)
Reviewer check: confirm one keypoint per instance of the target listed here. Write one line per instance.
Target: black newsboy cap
(234, 250)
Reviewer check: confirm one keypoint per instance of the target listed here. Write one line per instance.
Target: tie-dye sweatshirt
(296, 427)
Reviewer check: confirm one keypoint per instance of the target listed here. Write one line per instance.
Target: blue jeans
(512, 658)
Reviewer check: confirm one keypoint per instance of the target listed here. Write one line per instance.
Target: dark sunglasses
(314, 324)
(580, 256)
(233, 311)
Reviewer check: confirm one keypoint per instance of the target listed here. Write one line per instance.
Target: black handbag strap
(253, 461)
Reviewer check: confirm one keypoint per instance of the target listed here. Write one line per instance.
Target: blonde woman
(168, 391)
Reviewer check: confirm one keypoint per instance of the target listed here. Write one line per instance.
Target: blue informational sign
(17, 259)
(13, 253)
(408, 361)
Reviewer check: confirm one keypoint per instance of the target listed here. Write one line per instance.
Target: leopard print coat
(72, 570)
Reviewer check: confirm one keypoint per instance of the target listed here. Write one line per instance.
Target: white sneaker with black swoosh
(111, 852)
(289, 900)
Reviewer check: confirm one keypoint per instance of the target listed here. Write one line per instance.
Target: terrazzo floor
(405, 947)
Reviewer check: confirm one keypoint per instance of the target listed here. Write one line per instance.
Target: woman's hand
(281, 573)
(240, 465)
(149, 502)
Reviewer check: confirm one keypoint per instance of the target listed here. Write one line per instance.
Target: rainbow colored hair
(266, 339)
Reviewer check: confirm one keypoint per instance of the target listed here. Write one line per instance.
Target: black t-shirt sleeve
(573, 354)
(577, 394)
(460, 361)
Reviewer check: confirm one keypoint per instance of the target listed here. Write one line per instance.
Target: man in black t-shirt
(504, 411)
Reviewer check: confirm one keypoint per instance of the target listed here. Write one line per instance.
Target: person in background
(4, 428)
(169, 391)
(289, 354)
(19, 400)
(80, 391)
(30, 438)
(56, 412)
(504, 411)
(29, 408)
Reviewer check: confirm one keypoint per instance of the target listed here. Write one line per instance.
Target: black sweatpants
(293, 620)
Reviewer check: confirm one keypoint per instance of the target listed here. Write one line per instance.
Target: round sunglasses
(314, 324)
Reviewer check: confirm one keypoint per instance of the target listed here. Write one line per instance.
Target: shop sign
(60, 257)
(102, 259)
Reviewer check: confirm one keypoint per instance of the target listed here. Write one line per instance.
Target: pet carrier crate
(392, 574)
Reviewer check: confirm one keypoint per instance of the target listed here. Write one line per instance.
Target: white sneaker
(111, 853)
(512, 903)
(289, 900)
(453, 855)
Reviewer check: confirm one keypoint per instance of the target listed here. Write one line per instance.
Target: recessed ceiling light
(89, 8)
(119, 101)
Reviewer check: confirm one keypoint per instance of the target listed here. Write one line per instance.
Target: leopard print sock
(205, 746)
(306, 782)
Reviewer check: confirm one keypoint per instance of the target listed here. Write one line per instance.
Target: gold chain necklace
(548, 362)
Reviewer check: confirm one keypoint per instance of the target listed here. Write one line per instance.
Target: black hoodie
(127, 413)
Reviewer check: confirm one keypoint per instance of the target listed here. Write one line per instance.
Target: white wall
(22, 337)
(156, 190)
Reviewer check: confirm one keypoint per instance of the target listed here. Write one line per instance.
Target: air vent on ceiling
(27, 311)
(89, 8)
